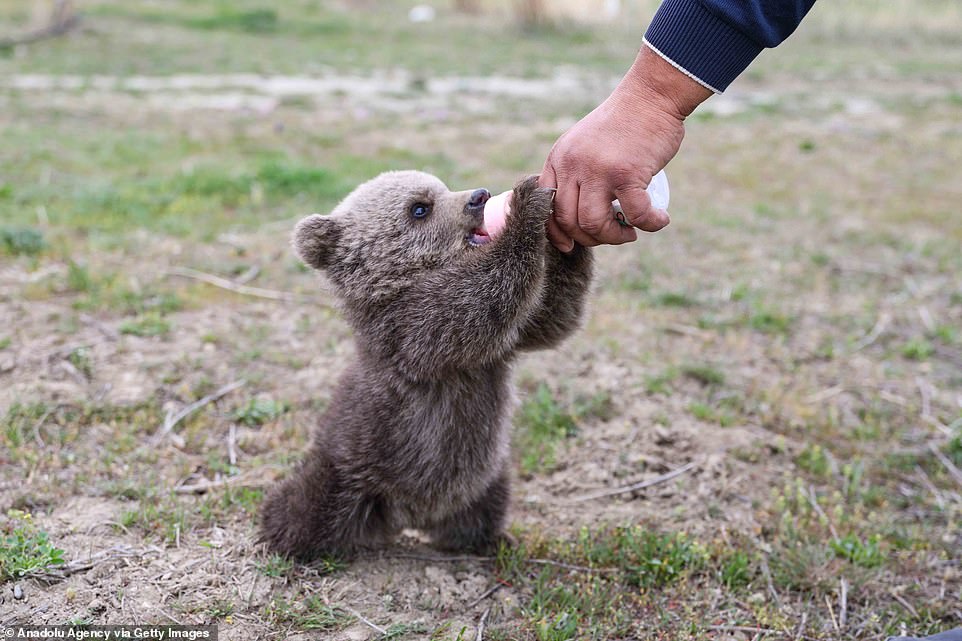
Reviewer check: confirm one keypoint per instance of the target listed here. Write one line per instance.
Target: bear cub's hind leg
(479, 526)
(314, 513)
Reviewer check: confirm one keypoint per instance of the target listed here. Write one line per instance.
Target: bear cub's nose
(478, 198)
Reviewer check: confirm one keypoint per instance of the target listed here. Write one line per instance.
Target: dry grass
(795, 334)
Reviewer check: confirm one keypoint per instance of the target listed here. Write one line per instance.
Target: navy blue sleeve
(715, 40)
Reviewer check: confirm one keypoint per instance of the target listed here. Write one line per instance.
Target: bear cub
(417, 432)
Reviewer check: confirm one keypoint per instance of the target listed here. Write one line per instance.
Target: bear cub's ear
(315, 238)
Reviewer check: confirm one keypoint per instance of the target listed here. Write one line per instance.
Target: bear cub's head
(389, 230)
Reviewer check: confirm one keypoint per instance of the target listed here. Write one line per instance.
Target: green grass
(743, 313)
(24, 548)
(21, 241)
(309, 613)
(865, 553)
(146, 325)
(541, 424)
(258, 411)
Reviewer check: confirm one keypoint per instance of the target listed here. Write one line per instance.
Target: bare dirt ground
(792, 341)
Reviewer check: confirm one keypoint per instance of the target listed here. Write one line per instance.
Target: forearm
(567, 283)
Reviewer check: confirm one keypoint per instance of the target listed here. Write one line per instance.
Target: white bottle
(658, 192)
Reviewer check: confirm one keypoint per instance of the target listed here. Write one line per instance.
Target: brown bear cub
(417, 432)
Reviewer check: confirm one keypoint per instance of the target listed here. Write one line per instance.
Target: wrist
(653, 81)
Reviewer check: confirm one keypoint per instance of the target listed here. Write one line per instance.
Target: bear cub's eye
(420, 210)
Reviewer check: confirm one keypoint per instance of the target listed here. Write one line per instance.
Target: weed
(769, 321)
(21, 422)
(5, 342)
(918, 349)
(661, 383)
(22, 241)
(735, 570)
(586, 607)
(258, 411)
(252, 21)
(166, 518)
(814, 460)
(704, 374)
(705, 412)
(80, 358)
(79, 278)
(655, 559)
(275, 565)
(866, 554)
(675, 299)
(149, 324)
(309, 613)
(953, 448)
(220, 608)
(26, 549)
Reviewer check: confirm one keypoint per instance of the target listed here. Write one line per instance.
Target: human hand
(614, 151)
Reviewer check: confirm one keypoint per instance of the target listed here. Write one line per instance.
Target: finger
(596, 218)
(566, 216)
(556, 237)
(636, 204)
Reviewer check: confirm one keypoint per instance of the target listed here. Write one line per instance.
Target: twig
(234, 481)
(685, 330)
(905, 604)
(825, 394)
(484, 595)
(831, 612)
(636, 486)
(874, 333)
(250, 274)
(237, 288)
(82, 565)
(926, 393)
(360, 617)
(172, 419)
(954, 472)
(767, 571)
(40, 421)
(842, 602)
(930, 486)
(743, 628)
(484, 617)
(569, 566)
(800, 630)
(231, 444)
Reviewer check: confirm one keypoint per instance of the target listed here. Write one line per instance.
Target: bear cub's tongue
(496, 212)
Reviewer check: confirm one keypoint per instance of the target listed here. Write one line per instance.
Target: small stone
(96, 606)
(663, 436)
(17, 592)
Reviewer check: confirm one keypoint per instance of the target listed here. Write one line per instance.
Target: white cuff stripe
(679, 67)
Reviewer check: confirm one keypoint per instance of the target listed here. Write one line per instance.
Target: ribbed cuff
(699, 43)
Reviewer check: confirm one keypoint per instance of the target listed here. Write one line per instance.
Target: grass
(258, 411)
(309, 613)
(754, 311)
(541, 425)
(146, 325)
(24, 548)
